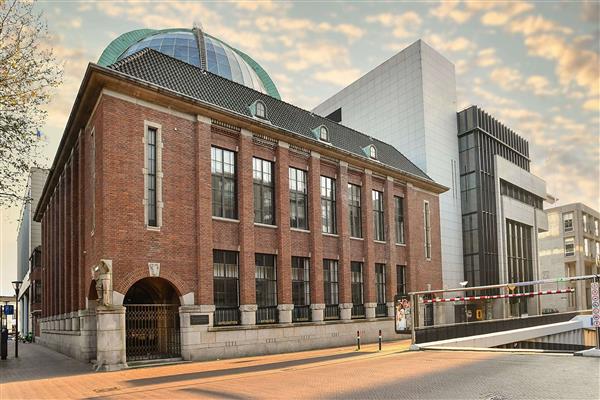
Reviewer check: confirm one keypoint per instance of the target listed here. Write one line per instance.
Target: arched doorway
(152, 320)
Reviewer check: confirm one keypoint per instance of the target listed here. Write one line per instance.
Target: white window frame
(427, 228)
(571, 240)
(322, 129)
(159, 175)
(264, 108)
(373, 152)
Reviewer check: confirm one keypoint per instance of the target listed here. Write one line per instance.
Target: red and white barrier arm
(498, 296)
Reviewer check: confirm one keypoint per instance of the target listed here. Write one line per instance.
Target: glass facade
(480, 138)
(220, 59)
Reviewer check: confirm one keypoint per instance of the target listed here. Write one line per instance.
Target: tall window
(568, 222)
(330, 282)
(223, 183)
(378, 224)
(427, 228)
(264, 194)
(356, 278)
(596, 227)
(328, 205)
(226, 287)
(399, 219)
(354, 210)
(586, 247)
(380, 287)
(300, 281)
(569, 246)
(401, 279)
(151, 175)
(266, 288)
(298, 199)
(585, 223)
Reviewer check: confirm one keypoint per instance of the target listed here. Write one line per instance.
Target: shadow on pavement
(240, 370)
(206, 393)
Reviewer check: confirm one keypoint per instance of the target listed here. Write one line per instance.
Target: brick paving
(332, 373)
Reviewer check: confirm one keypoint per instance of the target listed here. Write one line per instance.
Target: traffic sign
(9, 309)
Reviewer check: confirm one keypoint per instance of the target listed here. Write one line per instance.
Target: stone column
(369, 295)
(248, 314)
(285, 313)
(317, 311)
(110, 350)
(87, 325)
(314, 224)
(346, 311)
(370, 310)
(343, 217)
(390, 222)
(192, 335)
(391, 312)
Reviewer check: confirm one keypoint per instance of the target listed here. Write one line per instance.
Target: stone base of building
(204, 342)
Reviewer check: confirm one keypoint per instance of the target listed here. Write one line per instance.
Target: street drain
(103, 390)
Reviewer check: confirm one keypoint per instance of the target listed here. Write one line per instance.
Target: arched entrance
(152, 320)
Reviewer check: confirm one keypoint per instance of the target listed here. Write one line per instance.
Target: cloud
(573, 65)
(323, 54)
(507, 78)
(592, 104)
(487, 57)
(540, 85)
(449, 9)
(505, 14)
(339, 77)
(404, 25)
(590, 11)
(457, 44)
(536, 24)
(299, 26)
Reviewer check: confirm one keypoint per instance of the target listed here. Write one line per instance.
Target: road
(323, 374)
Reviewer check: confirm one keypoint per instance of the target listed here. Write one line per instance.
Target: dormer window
(370, 151)
(373, 152)
(261, 110)
(324, 133)
(258, 109)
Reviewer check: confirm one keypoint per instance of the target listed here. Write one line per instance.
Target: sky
(535, 66)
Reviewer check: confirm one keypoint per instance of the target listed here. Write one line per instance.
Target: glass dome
(217, 57)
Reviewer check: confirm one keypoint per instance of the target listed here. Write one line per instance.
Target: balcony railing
(381, 310)
(332, 311)
(267, 315)
(227, 316)
(301, 314)
(358, 311)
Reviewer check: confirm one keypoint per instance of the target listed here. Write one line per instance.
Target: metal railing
(267, 315)
(152, 331)
(332, 311)
(381, 310)
(301, 314)
(358, 311)
(227, 316)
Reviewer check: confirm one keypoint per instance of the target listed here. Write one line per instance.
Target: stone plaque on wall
(154, 269)
(198, 319)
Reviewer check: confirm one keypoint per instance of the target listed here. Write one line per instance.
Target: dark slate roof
(162, 70)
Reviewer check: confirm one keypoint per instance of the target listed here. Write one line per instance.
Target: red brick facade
(96, 211)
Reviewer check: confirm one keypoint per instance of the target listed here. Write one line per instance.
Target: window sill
(300, 230)
(401, 244)
(265, 225)
(356, 238)
(330, 234)
(237, 221)
(153, 228)
(380, 241)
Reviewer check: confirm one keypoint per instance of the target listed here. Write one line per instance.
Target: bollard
(357, 340)
(3, 343)
(380, 340)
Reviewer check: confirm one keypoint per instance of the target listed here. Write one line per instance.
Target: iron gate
(152, 331)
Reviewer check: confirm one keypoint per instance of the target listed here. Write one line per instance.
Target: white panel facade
(409, 101)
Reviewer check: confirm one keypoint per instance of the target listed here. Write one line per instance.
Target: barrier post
(357, 340)
(380, 340)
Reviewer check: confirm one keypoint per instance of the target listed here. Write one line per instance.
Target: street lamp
(17, 286)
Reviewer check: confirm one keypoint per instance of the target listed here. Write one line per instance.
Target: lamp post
(17, 286)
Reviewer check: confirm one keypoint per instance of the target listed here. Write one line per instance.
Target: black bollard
(3, 343)
(357, 340)
(380, 340)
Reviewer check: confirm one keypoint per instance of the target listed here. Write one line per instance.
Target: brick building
(188, 215)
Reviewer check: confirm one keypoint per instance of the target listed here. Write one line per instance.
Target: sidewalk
(51, 375)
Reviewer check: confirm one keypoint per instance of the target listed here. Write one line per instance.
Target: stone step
(156, 362)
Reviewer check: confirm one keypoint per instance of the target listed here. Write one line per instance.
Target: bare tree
(28, 72)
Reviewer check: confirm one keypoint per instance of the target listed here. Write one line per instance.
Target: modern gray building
(502, 209)
(409, 101)
(570, 247)
(29, 242)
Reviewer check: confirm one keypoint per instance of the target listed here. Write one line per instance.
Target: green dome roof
(197, 48)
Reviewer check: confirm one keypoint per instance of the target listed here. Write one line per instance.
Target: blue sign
(9, 309)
